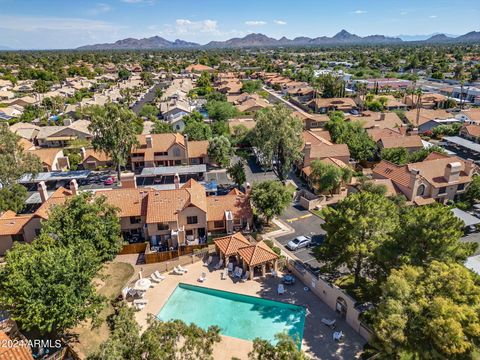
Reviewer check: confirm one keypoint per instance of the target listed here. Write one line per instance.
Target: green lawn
(111, 280)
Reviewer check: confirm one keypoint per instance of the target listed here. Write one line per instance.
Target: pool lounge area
(239, 316)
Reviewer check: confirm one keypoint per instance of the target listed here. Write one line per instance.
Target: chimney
(149, 141)
(176, 180)
(83, 152)
(185, 139)
(67, 122)
(248, 189)
(414, 175)
(306, 154)
(452, 171)
(469, 167)
(74, 187)
(382, 116)
(128, 181)
(42, 190)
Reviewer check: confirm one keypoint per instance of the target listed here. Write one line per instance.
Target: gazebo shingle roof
(257, 254)
(230, 244)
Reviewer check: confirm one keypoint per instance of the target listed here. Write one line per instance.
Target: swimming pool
(240, 316)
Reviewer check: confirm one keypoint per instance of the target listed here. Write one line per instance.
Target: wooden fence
(133, 248)
(156, 257)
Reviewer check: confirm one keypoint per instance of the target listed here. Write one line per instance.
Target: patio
(317, 341)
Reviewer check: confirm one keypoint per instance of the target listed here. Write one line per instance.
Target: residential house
(156, 150)
(470, 132)
(382, 120)
(166, 218)
(60, 136)
(428, 101)
(248, 103)
(95, 160)
(52, 159)
(311, 121)
(323, 106)
(27, 131)
(392, 103)
(438, 178)
(429, 119)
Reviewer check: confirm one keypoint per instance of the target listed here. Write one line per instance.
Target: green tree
(14, 161)
(114, 128)
(270, 198)
(251, 86)
(237, 173)
(220, 150)
(356, 228)
(41, 86)
(13, 198)
(88, 219)
(429, 233)
(149, 111)
(397, 156)
(162, 127)
(472, 194)
(278, 138)
(361, 146)
(197, 130)
(147, 78)
(124, 74)
(160, 340)
(220, 110)
(285, 349)
(328, 177)
(74, 158)
(428, 313)
(48, 288)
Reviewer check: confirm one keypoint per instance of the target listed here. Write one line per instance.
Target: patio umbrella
(142, 284)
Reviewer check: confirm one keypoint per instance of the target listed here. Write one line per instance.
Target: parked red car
(110, 181)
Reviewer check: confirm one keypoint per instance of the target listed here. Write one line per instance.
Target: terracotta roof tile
(12, 224)
(229, 245)
(257, 254)
(14, 352)
(197, 149)
(238, 204)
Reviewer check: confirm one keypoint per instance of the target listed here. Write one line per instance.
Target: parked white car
(299, 242)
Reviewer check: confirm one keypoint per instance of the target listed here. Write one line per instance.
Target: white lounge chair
(177, 271)
(203, 277)
(185, 270)
(280, 289)
(154, 279)
(158, 275)
(245, 276)
(338, 335)
(224, 273)
(208, 262)
(139, 304)
(238, 273)
(232, 273)
(219, 264)
(230, 267)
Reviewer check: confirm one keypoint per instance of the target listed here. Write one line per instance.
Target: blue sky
(42, 24)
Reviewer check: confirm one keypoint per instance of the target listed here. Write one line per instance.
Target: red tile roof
(257, 254)
(230, 244)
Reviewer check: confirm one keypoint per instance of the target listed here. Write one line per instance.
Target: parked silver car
(299, 242)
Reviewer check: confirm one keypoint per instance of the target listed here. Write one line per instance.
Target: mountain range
(261, 40)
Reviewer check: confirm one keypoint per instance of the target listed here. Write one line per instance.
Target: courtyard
(317, 339)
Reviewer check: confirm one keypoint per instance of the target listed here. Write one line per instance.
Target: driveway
(254, 172)
(304, 223)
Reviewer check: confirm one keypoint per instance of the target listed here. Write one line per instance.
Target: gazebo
(256, 255)
(228, 245)
(250, 255)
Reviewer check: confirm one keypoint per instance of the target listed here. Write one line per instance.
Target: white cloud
(359, 12)
(255, 23)
(146, 2)
(280, 22)
(100, 8)
(185, 26)
(433, 16)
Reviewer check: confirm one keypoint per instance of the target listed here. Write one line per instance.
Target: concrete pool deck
(317, 338)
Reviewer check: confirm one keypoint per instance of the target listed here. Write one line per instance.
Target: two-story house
(156, 150)
(438, 178)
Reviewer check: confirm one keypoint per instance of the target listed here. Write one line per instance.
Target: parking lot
(307, 224)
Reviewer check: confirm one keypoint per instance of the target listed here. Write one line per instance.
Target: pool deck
(317, 338)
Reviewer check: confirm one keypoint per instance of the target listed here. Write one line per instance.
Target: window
(161, 153)
(237, 221)
(460, 187)
(189, 232)
(135, 219)
(192, 220)
(18, 237)
(176, 152)
(218, 224)
(421, 190)
(37, 232)
(162, 226)
(443, 190)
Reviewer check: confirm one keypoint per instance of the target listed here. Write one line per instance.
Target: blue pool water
(240, 316)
